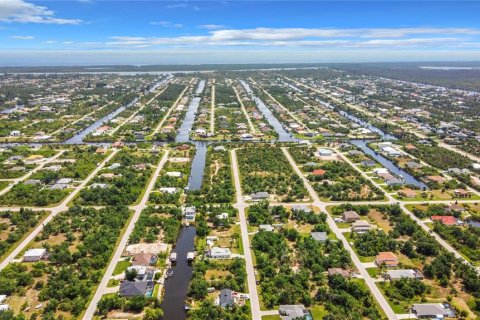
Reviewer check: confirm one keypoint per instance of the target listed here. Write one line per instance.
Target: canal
(78, 137)
(283, 135)
(176, 286)
(392, 167)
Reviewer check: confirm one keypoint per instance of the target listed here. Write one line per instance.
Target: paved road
(102, 288)
(212, 110)
(160, 124)
(333, 226)
(139, 109)
(282, 106)
(250, 124)
(240, 206)
(53, 212)
(29, 174)
(403, 204)
(369, 113)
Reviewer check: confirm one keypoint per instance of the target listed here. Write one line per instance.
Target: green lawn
(373, 272)
(121, 267)
(318, 312)
(274, 317)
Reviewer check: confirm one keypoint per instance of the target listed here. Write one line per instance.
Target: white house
(33, 255)
(169, 190)
(220, 253)
(174, 174)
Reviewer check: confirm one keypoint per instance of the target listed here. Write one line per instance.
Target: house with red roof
(446, 220)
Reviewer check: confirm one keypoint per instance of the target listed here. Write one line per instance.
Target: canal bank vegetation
(217, 185)
(266, 169)
(79, 243)
(217, 228)
(171, 184)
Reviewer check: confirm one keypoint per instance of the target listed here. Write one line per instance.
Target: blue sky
(192, 32)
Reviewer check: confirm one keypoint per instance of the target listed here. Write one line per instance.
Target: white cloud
(22, 37)
(182, 6)
(303, 37)
(211, 26)
(25, 12)
(168, 24)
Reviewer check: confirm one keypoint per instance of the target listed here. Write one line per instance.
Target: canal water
(409, 179)
(283, 135)
(78, 137)
(176, 286)
(381, 133)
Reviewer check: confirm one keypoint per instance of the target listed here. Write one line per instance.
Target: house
(169, 190)
(64, 181)
(368, 163)
(455, 208)
(393, 181)
(461, 193)
(436, 179)
(339, 271)
(301, 207)
(319, 236)
(144, 259)
(189, 213)
(4, 307)
(101, 151)
(446, 220)
(318, 172)
(34, 255)
(293, 312)
(31, 182)
(15, 133)
(2, 298)
(355, 153)
(324, 152)
(432, 311)
(140, 270)
(387, 258)
(174, 174)
(350, 216)
(34, 158)
(133, 288)
(220, 253)
(403, 273)
(226, 298)
(222, 216)
(99, 186)
(408, 193)
(259, 196)
(361, 226)
(413, 165)
(390, 151)
(219, 148)
(266, 227)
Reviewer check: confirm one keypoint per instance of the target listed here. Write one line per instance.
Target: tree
(131, 274)
(153, 314)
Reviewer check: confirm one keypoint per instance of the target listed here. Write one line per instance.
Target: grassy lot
(373, 272)
(318, 312)
(274, 317)
(121, 267)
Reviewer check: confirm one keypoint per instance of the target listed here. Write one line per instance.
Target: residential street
(102, 287)
(240, 206)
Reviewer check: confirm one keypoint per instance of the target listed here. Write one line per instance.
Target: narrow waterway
(79, 136)
(409, 179)
(176, 286)
(283, 135)
(384, 135)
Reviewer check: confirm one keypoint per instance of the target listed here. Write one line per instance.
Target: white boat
(190, 256)
(173, 256)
